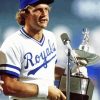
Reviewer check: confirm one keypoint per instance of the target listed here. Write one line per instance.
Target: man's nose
(44, 12)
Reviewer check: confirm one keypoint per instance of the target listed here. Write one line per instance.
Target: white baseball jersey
(29, 60)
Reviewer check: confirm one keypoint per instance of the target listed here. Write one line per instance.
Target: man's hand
(55, 94)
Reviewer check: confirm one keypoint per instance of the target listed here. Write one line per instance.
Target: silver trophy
(84, 46)
(84, 53)
(84, 50)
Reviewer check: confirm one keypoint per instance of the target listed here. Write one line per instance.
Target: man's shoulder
(13, 35)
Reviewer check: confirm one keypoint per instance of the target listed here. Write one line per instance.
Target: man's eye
(37, 10)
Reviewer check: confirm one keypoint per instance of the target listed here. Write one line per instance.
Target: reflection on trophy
(85, 42)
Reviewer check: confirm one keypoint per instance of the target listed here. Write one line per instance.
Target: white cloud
(95, 39)
(87, 8)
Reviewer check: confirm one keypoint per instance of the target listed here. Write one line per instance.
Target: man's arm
(59, 71)
(16, 88)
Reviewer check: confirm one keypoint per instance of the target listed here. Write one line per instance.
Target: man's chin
(43, 26)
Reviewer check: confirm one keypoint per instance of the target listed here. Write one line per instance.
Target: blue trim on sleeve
(10, 66)
(3, 70)
(13, 74)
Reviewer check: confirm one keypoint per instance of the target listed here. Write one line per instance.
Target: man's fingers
(63, 97)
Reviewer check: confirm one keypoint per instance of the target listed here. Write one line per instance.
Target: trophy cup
(83, 83)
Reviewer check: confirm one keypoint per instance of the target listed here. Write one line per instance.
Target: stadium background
(67, 16)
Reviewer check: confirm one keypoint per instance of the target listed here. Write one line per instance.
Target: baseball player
(30, 55)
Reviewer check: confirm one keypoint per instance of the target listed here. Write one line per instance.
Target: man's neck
(36, 34)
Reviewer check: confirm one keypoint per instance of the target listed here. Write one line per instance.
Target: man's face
(38, 16)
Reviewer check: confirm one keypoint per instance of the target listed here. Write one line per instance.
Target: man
(30, 56)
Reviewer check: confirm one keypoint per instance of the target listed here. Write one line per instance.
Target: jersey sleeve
(10, 62)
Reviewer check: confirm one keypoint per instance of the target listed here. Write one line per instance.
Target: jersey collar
(41, 42)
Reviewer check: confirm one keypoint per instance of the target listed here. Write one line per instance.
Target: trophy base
(76, 90)
(77, 96)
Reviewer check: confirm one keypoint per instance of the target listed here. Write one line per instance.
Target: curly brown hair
(21, 15)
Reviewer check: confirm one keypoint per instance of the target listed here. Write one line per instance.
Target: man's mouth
(43, 20)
